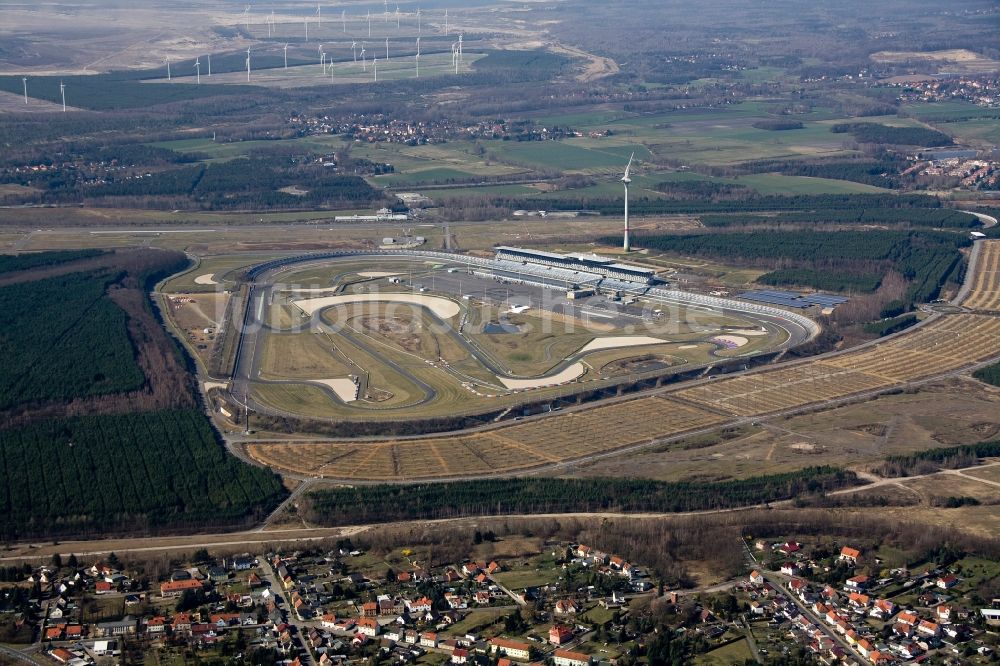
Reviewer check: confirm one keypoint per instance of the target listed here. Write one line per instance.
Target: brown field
(194, 314)
(985, 293)
(517, 447)
(856, 436)
(948, 343)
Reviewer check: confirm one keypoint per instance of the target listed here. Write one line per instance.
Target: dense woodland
(384, 503)
(19, 262)
(62, 338)
(933, 460)
(100, 428)
(936, 218)
(136, 473)
(990, 374)
(925, 259)
(884, 134)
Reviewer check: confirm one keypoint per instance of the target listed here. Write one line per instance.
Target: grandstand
(593, 264)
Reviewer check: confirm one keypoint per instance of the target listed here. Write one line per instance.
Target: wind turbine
(270, 24)
(168, 70)
(364, 63)
(246, 15)
(397, 17)
(354, 50)
(248, 64)
(461, 51)
(319, 16)
(417, 57)
(419, 24)
(625, 181)
(24, 80)
(375, 67)
(286, 56)
(322, 61)
(197, 69)
(210, 64)
(446, 21)
(387, 48)
(343, 19)
(369, 23)
(62, 91)
(307, 29)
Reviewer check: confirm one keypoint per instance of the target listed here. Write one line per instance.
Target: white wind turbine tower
(24, 80)
(417, 57)
(420, 29)
(446, 21)
(364, 63)
(62, 91)
(210, 64)
(343, 19)
(387, 49)
(168, 69)
(248, 64)
(322, 61)
(375, 67)
(369, 23)
(286, 56)
(319, 16)
(246, 15)
(197, 70)
(354, 50)
(270, 23)
(397, 17)
(461, 52)
(625, 181)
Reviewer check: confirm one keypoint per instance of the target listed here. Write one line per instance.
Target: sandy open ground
(567, 375)
(442, 307)
(735, 341)
(376, 274)
(207, 278)
(344, 387)
(621, 341)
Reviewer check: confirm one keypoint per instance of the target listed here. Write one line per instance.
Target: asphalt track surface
(265, 281)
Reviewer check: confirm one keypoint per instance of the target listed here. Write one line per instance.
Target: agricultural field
(506, 450)
(985, 294)
(943, 414)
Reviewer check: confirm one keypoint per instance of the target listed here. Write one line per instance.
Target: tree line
(382, 503)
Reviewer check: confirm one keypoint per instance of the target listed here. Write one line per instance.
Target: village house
(849, 555)
(512, 649)
(176, 588)
(568, 658)
(560, 634)
(368, 626)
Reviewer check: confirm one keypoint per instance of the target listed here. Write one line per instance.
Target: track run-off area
(941, 345)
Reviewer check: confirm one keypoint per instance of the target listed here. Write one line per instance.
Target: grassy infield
(539, 348)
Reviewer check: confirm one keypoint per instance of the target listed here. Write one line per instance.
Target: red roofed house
(849, 555)
(790, 547)
(104, 587)
(567, 658)
(512, 649)
(368, 626)
(176, 588)
(857, 583)
(459, 656)
(560, 634)
(62, 655)
(947, 582)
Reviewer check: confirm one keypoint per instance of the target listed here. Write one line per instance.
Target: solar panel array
(790, 299)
